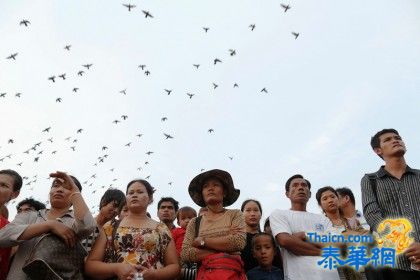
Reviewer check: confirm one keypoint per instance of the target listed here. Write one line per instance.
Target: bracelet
(71, 195)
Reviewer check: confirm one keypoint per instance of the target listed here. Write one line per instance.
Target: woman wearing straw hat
(216, 239)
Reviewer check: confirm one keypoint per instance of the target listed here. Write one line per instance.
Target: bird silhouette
(147, 72)
(168, 136)
(190, 95)
(67, 47)
(80, 130)
(164, 119)
(10, 141)
(12, 56)
(264, 90)
(18, 94)
(124, 91)
(211, 130)
(216, 60)
(295, 34)
(128, 144)
(124, 117)
(147, 14)
(47, 129)
(196, 65)
(52, 78)
(232, 52)
(58, 100)
(3, 94)
(87, 65)
(25, 22)
(129, 6)
(206, 29)
(235, 85)
(116, 121)
(63, 76)
(215, 86)
(80, 73)
(168, 91)
(142, 66)
(149, 153)
(285, 7)
(75, 89)
(252, 26)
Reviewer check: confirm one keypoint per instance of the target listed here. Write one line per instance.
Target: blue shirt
(259, 273)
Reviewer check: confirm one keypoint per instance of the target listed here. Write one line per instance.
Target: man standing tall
(394, 192)
(289, 228)
(167, 208)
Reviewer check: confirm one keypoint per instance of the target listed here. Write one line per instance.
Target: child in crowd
(183, 217)
(264, 250)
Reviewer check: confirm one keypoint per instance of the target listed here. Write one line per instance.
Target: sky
(352, 71)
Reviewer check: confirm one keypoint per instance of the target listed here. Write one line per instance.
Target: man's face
(299, 191)
(166, 212)
(6, 189)
(25, 208)
(390, 145)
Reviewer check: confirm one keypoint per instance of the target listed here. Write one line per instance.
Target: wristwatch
(202, 243)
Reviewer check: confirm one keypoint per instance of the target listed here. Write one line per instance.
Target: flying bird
(25, 22)
(63, 76)
(168, 136)
(139, 135)
(164, 119)
(147, 72)
(149, 153)
(128, 144)
(142, 66)
(285, 7)
(67, 47)
(59, 100)
(104, 148)
(75, 89)
(47, 129)
(210, 130)
(295, 34)
(196, 65)
(80, 73)
(206, 29)
(129, 6)
(216, 60)
(235, 85)
(18, 94)
(10, 141)
(168, 91)
(124, 91)
(215, 86)
(52, 78)
(12, 56)
(87, 65)
(190, 95)
(80, 130)
(124, 117)
(116, 121)
(252, 26)
(147, 14)
(232, 52)
(3, 94)
(264, 90)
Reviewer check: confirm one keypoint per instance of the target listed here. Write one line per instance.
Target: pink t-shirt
(4, 254)
(178, 235)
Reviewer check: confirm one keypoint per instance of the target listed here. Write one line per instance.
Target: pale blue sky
(353, 70)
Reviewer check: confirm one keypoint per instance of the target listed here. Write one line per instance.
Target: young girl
(264, 250)
(183, 217)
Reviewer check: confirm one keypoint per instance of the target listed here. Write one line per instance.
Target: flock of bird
(38, 149)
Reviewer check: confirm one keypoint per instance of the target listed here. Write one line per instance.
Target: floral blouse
(137, 246)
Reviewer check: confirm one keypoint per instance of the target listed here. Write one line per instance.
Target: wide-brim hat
(196, 186)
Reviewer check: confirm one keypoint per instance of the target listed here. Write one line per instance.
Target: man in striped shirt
(394, 192)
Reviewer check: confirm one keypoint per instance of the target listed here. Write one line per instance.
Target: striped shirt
(396, 198)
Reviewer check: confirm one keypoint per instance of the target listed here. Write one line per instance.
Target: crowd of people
(124, 242)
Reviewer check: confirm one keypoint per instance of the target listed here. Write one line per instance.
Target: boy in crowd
(264, 250)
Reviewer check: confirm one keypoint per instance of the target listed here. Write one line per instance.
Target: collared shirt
(396, 198)
(9, 235)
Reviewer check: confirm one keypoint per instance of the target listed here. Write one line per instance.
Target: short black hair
(171, 200)
(77, 183)
(113, 195)
(295, 177)
(322, 190)
(375, 142)
(346, 191)
(150, 190)
(251, 200)
(263, 234)
(17, 179)
(185, 209)
(37, 205)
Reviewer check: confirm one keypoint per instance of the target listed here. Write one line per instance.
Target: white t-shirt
(301, 267)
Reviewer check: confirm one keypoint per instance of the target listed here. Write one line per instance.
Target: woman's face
(329, 202)
(137, 196)
(59, 195)
(213, 192)
(252, 213)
